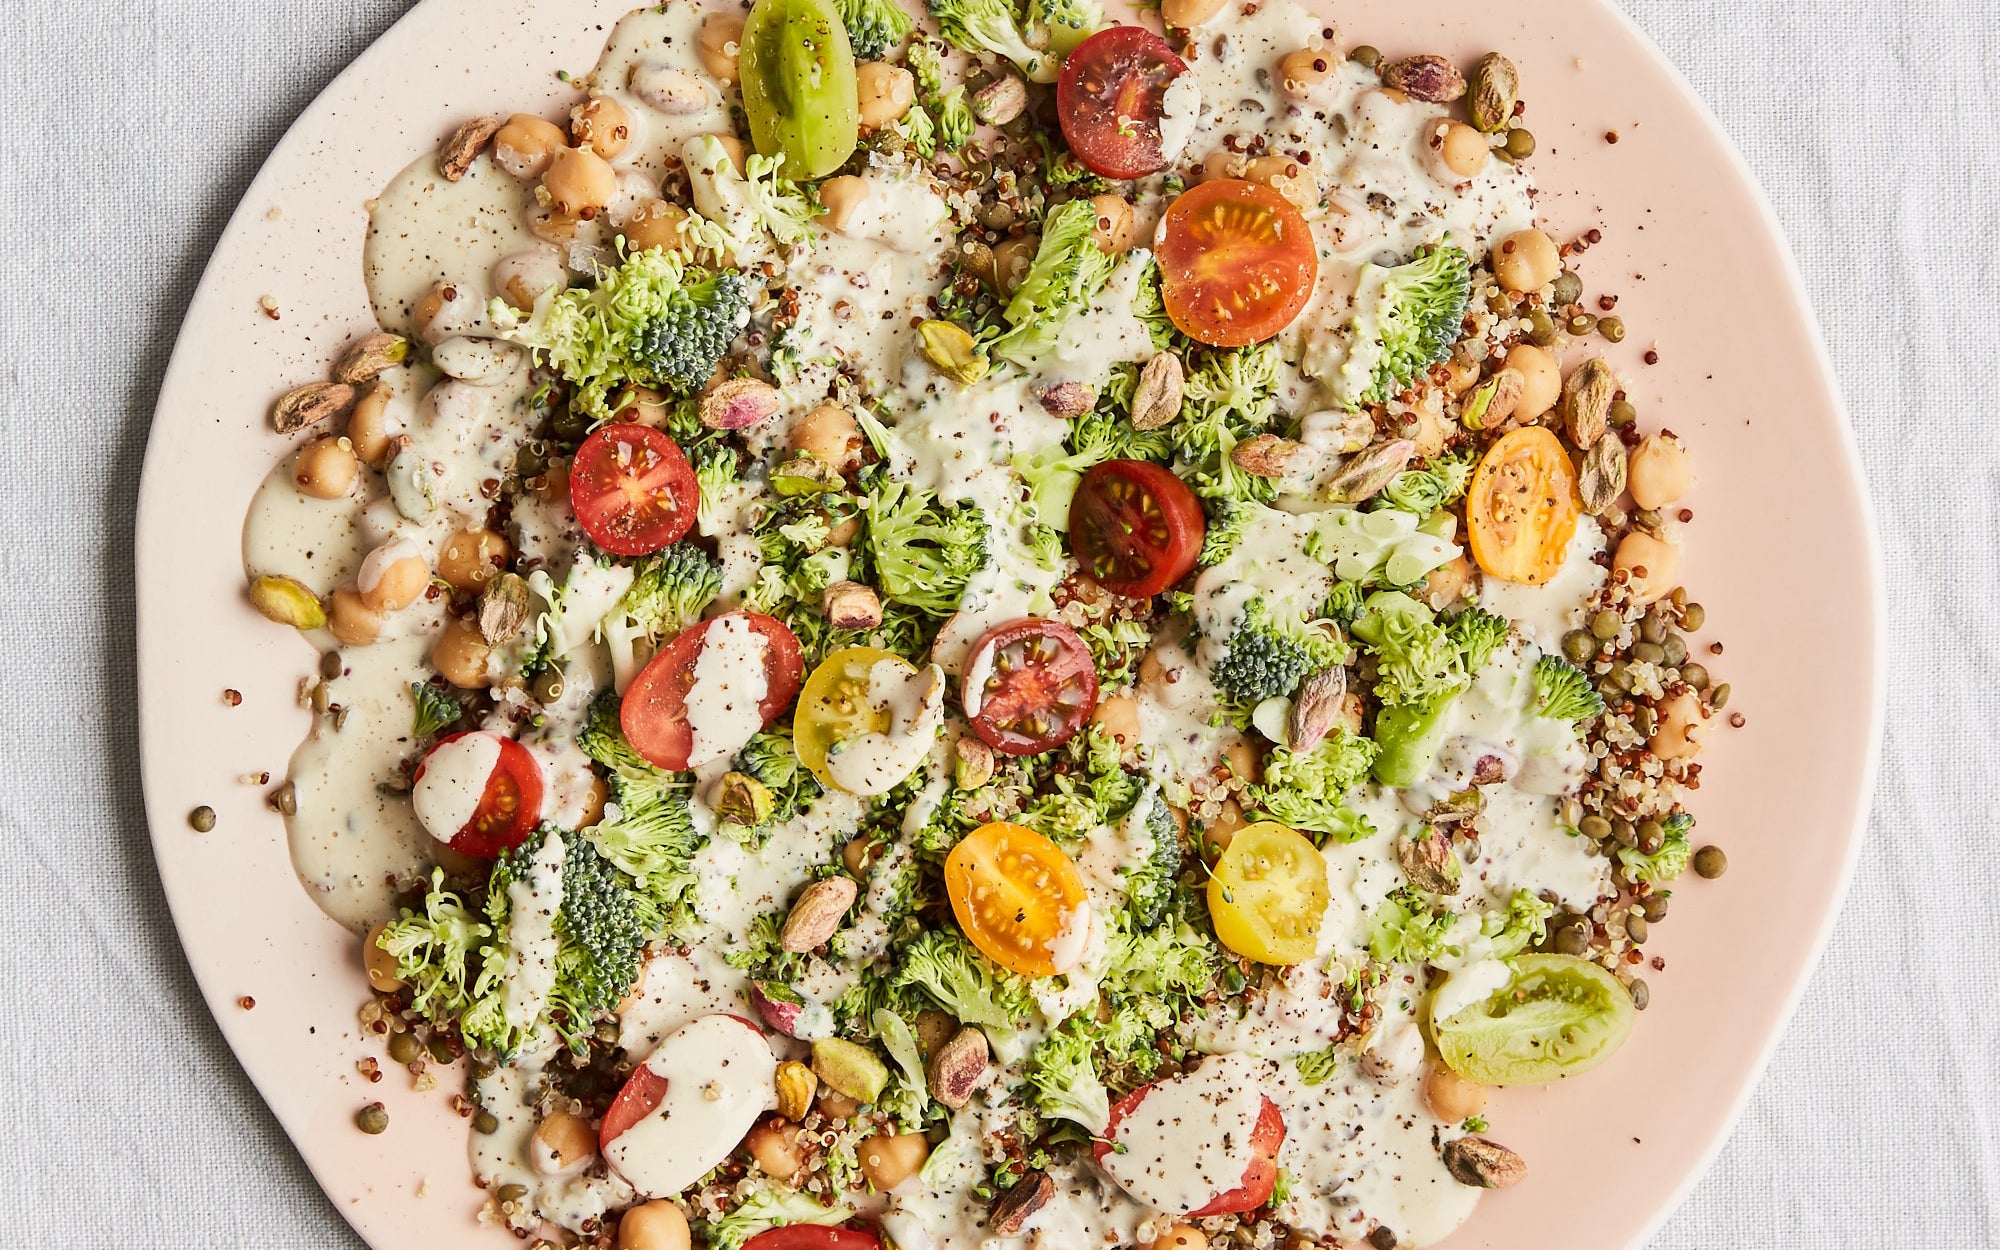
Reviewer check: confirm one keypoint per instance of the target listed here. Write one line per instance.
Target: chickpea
(550, 226)
(732, 147)
(580, 183)
(602, 125)
(368, 424)
(1181, 1237)
(471, 559)
(1450, 1096)
(1660, 471)
(831, 1102)
(829, 433)
(887, 92)
(1305, 67)
(888, 1160)
(774, 1147)
(1244, 761)
(1351, 709)
(460, 654)
(1653, 565)
(1680, 730)
(352, 622)
(1118, 715)
(844, 533)
(326, 468)
(1461, 374)
(1216, 834)
(1188, 14)
(563, 1141)
(841, 197)
(1526, 260)
(444, 311)
(393, 577)
(379, 964)
(1446, 583)
(594, 800)
(1460, 148)
(1541, 380)
(1011, 258)
(1115, 231)
(1287, 177)
(654, 223)
(720, 43)
(1222, 163)
(934, 1028)
(656, 1225)
(859, 854)
(524, 277)
(642, 405)
(526, 144)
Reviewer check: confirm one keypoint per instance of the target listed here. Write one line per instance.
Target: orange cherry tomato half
(1029, 686)
(1522, 506)
(654, 714)
(633, 490)
(1260, 1175)
(1135, 527)
(1018, 898)
(1109, 100)
(1236, 262)
(510, 803)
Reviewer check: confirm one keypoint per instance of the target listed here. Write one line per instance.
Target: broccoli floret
(874, 26)
(653, 319)
(992, 27)
(1507, 933)
(924, 554)
(955, 123)
(1268, 658)
(919, 131)
(962, 981)
(1060, 25)
(1068, 271)
(436, 952)
(436, 709)
(715, 472)
(1667, 863)
(603, 925)
(739, 211)
(772, 760)
(1405, 320)
(1308, 790)
(1226, 521)
(1095, 791)
(1149, 888)
(1228, 397)
(1477, 634)
(1150, 306)
(1172, 962)
(1408, 737)
(507, 1010)
(1092, 439)
(670, 590)
(1063, 1078)
(1415, 658)
(768, 1205)
(1563, 691)
(1438, 484)
(647, 830)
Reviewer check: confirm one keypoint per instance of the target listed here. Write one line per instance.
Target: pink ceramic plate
(1782, 552)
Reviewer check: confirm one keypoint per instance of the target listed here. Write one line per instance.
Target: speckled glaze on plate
(1782, 534)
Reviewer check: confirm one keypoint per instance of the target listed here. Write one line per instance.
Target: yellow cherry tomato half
(1019, 899)
(1268, 894)
(834, 706)
(1523, 506)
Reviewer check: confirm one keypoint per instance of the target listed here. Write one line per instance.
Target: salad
(988, 627)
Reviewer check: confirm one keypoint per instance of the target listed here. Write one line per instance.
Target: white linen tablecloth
(130, 130)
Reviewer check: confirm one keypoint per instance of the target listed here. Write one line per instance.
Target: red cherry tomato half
(1237, 262)
(1260, 1175)
(641, 1094)
(1135, 527)
(633, 490)
(510, 804)
(813, 1237)
(1109, 99)
(654, 714)
(1029, 686)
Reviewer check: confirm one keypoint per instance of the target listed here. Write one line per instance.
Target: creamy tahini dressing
(454, 779)
(723, 704)
(718, 1075)
(1188, 1141)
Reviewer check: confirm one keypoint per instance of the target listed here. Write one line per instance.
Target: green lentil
(1655, 908)
(202, 819)
(372, 1119)
(1624, 832)
(1676, 648)
(1622, 411)
(1641, 996)
(1651, 836)
(1568, 289)
(1579, 645)
(1648, 652)
(1612, 328)
(404, 1047)
(1582, 324)
(440, 1049)
(1652, 628)
(1596, 828)
(1541, 329)
(329, 665)
(547, 686)
(1520, 144)
(1636, 928)
(1696, 676)
(1710, 863)
(1604, 625)
(1571, 941)
(1693, 617)
(485, 1122)
(1719, 697)
(1367, 54)
(511, 1193)
(569, 425)
(1621, 674)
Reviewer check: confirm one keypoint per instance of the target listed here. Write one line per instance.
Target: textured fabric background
(130, 130)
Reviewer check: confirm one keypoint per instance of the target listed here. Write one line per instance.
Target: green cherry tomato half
(1557, 1016)
(798, 85)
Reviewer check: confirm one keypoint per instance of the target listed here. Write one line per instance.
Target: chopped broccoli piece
(1068, 271)
(715, 471)
(1563, 691)
(1438, 484)
(1667, 863)
(955, 123)
(1098, 791)
(772, 760)
(436, 709)
(992, 27)
(647, 829)
(1063, 1078)
(1168, 961)
(1092, 439)
(919, 130)
(1149, 888)
(1268, 658)
(874, 26)
(1408, 737)
(962, 981)
(653, 319)
(908, 1101)
(670, 590)
(1405, 320)
(1415, 659)
(1308, 790)
(737, 212)
(1116, 647)
(1508, 932)
(502, 1018)
(1150, 306)
(1060, 25)
(1477, 634)
(604, 924)
(924, 554)
(1226, 521)
(1406, 930)
(769, 1205)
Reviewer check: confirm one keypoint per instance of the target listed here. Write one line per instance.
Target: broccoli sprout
(962, 981)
